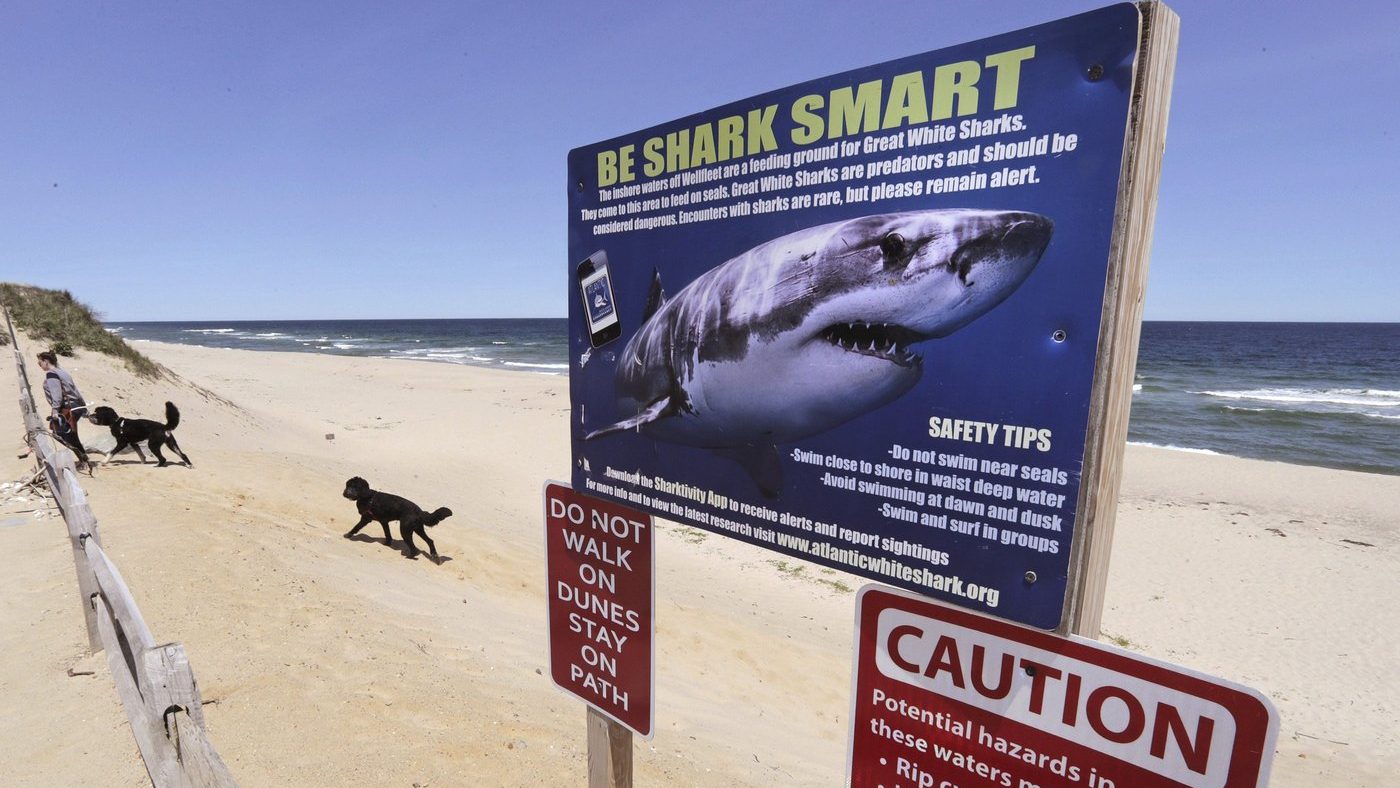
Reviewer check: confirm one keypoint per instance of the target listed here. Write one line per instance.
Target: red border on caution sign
(945, 697)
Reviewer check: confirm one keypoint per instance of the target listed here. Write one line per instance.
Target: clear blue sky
(180, 161)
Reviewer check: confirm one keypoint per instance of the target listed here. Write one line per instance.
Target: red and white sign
(945, 698)
(598, 564)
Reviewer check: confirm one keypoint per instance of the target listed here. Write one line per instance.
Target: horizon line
(565, 317)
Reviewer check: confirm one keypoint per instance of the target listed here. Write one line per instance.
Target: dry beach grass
(335, 662)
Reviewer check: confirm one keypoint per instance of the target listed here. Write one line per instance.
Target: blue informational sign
(856, 318)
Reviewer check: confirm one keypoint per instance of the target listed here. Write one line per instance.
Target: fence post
(87, 586)
(65, 474)
(19, 359)
(199, 761)
(76, 506)
(156, 750)
(173, 695)
(81, 524)
(43, 452)
(172, 682)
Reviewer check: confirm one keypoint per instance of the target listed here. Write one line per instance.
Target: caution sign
(601, 590)
(945, 698)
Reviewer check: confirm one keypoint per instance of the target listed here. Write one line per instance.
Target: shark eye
(895, 248)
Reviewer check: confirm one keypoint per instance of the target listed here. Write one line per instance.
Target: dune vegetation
(66, 325)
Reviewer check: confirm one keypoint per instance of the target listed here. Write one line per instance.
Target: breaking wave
(1383, 398)
(1169, 447)
(535, 366)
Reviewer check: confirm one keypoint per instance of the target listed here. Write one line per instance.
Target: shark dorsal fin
(656, 296)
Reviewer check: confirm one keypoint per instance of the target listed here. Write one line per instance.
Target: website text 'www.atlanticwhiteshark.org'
(949, 584)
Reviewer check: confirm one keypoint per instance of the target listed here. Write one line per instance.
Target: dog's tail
(436, 517)
(172, 416)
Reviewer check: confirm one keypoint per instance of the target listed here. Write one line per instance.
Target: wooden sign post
(609, 753)
(1116, 363)
(599, 559)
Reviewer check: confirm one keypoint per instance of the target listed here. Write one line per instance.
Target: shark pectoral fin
(659, 409)
(763, 465)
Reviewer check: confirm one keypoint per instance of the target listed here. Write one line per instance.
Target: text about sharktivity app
(928, 494)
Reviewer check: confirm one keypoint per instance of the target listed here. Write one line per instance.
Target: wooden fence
(154, 682)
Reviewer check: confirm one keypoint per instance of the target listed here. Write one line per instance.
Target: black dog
(133, 432)
(383, 507)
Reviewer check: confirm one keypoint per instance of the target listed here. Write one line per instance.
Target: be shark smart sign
(854, 320)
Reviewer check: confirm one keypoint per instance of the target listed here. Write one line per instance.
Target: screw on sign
(599, 558)
(944, 698)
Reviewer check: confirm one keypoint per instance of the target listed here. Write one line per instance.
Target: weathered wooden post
(598, 548)
(1112, 394)
(609, 753)
(81, 524)
(172, 696)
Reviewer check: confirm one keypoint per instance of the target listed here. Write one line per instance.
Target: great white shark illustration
(810, 330)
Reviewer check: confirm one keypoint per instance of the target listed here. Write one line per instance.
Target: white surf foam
(1169, 447)
(535, 366)
(1384, 398)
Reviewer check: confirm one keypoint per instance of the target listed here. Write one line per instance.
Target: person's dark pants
(66, 428)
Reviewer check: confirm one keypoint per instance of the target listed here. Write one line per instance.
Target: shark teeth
(881, 340)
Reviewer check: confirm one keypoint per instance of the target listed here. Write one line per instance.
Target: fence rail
(156, 686)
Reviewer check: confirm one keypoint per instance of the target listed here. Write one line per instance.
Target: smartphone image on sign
(595, 286)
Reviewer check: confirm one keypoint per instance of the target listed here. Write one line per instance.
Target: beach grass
(65, 324)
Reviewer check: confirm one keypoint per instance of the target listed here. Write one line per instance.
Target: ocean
(1306, 393)
(526, 345)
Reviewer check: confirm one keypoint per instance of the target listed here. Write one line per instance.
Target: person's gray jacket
(61, 391)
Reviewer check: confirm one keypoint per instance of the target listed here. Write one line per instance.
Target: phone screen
(598, 304)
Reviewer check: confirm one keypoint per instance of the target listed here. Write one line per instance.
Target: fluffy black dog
(134, 432)
(383, 507)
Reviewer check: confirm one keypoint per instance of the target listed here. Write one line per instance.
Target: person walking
(67, 406)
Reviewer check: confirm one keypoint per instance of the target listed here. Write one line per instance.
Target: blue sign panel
(855, 320)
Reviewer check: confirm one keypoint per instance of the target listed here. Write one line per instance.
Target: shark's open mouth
(881, 340)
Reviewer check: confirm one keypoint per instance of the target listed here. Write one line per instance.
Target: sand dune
(329, 661)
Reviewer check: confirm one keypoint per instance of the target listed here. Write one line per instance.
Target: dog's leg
(175, 447)
(361, 524)
(121, 444)
(137, 447)
(432, 548)
(155, 443)
(408, 528)
(388, 536)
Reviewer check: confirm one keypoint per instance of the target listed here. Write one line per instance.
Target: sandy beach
(327, 661)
